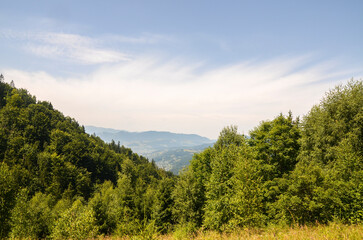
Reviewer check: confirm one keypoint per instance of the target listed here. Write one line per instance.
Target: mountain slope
(47, 158)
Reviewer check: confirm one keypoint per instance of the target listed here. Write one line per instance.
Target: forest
(58, 182)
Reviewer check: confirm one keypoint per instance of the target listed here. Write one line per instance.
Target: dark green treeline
(58, 182)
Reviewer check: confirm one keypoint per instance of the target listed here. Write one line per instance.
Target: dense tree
(221, 189)
(77, 222)
(229, 136)
(58, 182)
(234, 194)
(44, 152)
(162, 207)
(277, 144)
(327, 181)
(31, 218)
(190, 191)
(8, 191)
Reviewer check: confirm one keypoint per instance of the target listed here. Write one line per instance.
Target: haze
(185, 67)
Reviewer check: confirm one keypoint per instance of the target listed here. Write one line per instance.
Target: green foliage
(8, 192)
(44, 152)
(234, 190)
(58, 182)
(162, 207)
(327, 181)
(184, 231)
(107, 207)
(336, 120)
(77, 222)
(222, 188)
(247, 202)
(229, 136)
(31, 218)
(5, 89)
(277, 144)
(189, 194)
(189, 201)
(219, 188)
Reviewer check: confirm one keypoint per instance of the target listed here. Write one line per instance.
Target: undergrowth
(332, 231)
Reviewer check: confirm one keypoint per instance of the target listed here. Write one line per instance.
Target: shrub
(78, 222)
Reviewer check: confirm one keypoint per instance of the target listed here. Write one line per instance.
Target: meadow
(332, 231)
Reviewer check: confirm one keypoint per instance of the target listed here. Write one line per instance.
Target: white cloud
(146, 38)
(74, 47)
(151, 94)
(70, 47)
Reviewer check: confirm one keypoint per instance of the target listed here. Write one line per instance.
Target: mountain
(171, 151)
(175, 160)
(150, 141)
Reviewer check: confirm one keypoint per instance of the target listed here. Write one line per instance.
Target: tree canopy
(58, 182)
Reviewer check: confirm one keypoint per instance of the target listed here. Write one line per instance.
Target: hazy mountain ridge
(149, 141)
(171, 151)
(175, 160)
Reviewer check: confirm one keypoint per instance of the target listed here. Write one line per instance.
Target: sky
(180, 66)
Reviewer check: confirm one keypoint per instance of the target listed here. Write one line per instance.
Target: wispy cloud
(81, 49)
(69, 47)
(147, 93)
(73, 47)
(146, 38)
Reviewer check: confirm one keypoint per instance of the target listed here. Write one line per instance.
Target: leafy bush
(77, 222)
(31, 218)
(7, 195)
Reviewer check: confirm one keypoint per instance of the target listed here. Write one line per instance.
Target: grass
(318, 232)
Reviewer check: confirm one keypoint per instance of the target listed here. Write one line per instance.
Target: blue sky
(180, 66)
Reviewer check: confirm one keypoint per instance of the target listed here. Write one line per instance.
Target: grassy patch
(318, 232)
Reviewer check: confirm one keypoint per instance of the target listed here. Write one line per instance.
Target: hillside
(51, 168)
(58, 182)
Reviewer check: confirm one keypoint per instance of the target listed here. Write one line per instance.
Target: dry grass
(318, 232)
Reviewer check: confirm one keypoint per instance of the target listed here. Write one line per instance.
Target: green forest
(58, 182)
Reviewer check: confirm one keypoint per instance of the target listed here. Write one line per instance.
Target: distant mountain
(171, 151)
(150, 141)
(175, 160)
